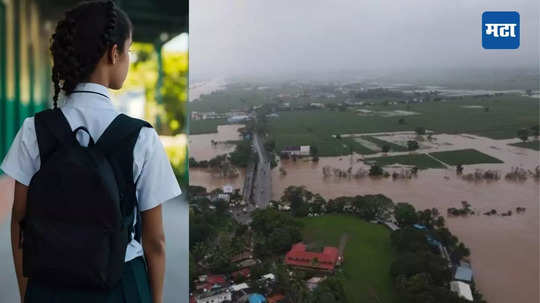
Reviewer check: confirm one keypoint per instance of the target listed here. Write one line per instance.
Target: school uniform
(90, 106)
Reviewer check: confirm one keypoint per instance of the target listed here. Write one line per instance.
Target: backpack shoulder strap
(118, 132)
(117, 143)
(52, 129)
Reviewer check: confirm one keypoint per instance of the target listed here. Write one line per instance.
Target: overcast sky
(271, 37)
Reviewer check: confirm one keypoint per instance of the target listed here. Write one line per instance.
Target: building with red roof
(300, 257)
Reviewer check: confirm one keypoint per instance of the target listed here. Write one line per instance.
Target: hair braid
(81, 39)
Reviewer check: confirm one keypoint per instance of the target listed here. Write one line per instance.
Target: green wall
(24, 67)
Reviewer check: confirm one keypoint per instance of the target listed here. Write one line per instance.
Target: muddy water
(201, 148)
(203, 177)
(196, 90)
(504, 249)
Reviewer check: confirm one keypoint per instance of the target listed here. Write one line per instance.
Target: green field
(422, 161)
(506, 115)
(393, 147)
(367, 257)
(197, 127)
(529, 144)
(464, 157)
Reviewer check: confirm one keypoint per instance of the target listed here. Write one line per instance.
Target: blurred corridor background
(156, 90)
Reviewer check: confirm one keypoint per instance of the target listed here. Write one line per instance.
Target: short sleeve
(152, 171)
(22, 160)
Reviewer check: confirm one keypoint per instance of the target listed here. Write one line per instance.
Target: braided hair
(80, 40)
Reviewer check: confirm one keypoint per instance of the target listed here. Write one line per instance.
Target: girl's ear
(112, 54)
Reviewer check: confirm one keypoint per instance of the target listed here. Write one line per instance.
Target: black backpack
(80, 204)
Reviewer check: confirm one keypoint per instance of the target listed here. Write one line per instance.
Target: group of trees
(367, 207)
(419, 272)
(171, 112)
(242, 154)
(274, 232)
(524, 133)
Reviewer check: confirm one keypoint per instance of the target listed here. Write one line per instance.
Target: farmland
(464, 156)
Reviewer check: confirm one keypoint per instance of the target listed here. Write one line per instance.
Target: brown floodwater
(201, 148)
(203, 177)
(505, 250)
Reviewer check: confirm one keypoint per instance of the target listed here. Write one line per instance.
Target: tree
(420, 131)
(242, 154)
(376, 170)
(401, 121)
(523, 134)
(385, 148)
(412, 145)
(329, 291)
(274, 232)
(409, 239)
(405, 214)
(373, 207)
(459, 169)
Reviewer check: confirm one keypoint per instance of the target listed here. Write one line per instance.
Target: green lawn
(422, 161)
(368, 254)
(381, 143)
(529, 144)
(197, 127)
(464, 157)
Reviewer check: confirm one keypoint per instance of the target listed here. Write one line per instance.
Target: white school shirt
(152, 171)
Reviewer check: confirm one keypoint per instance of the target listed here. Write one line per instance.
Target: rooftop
(325, 260)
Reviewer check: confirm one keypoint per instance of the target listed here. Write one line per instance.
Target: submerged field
(197, 127)
(464, 157)
(422, 161)
(535, 145)
(368, 254)
(501, 120)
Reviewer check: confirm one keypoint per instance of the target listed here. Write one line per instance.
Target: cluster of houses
(219, 289)
(238, 285)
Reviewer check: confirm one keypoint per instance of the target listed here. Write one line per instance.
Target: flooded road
(201, 147)
(504, 249)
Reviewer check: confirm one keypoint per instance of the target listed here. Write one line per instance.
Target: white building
(215, 296)
(238, 287)
(303, 150)
(228, 189)
(238, 119)
(463, 290)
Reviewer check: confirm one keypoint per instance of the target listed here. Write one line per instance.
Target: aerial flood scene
(490, 168)
(365, 178)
